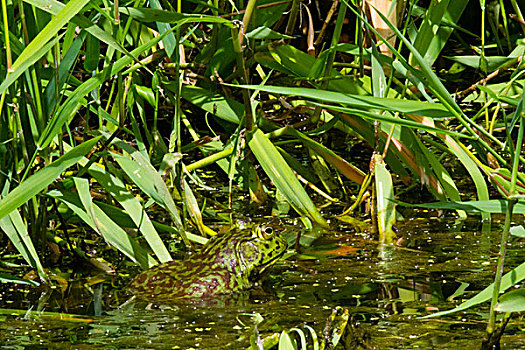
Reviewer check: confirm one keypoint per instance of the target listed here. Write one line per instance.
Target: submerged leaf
(510, 279)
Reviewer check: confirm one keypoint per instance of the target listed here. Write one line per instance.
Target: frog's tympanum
(222, 266)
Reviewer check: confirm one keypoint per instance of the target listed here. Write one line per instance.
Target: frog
(225, 264)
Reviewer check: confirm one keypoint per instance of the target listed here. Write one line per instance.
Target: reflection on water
(437, 265)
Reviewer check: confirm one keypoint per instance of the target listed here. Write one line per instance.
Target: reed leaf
(15, 228)
(144, 175)
(37, 182)
(54, 7)
(105, 227)
(283, 177)
(41, 43)
(493, 206)
(384, 190)
(134, 209)
(434, 110)
(345, 168)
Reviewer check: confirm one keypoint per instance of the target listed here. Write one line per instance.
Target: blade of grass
(283, 177)
(140, 170)
(117, 189)
(391, 120)
(144, 14)
(53, 7)
(434, 110)
(134, 210)
(73, 102)
(34, 50)
(23, 66)
(347, 169)
(106, 228)
(493, 206)
(37, 182)
(8, 278)
(13, 226)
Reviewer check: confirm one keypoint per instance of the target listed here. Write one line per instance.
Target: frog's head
(260, 248)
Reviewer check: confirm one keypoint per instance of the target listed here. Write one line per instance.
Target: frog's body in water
(222, 266)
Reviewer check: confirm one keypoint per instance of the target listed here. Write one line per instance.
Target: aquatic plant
(136, 99)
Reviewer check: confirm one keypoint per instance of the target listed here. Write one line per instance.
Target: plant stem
(246, 20)
(518, 13)
(511, 201)
(6, 33)
(237, 48)
(331, 56)
(292, 18)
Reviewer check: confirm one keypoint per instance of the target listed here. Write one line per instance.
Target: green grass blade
(92, 56)
(216, 104)
(40, 180)
(446, 181)
(117, 189)
(140, 170)
(466, 158)
(430, 25)
(493, 206)
(82, 186)
(347, 169)
(63, 71)
(450, 18)
(170, 42)
(391, 120)
(106, 227)
(53, 7)
(155, 15)
(34, 50)
(291, 61)
(425, 74)
(13, 226)
(192, 207)
(132, 206)
(69, 107)
(283, 177)
(26, 63)
(8, 278)
(434, 110)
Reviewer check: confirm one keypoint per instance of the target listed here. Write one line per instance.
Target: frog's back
(224, 265)
(180, 280)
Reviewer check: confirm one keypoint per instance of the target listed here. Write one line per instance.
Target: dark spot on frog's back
(228, 251)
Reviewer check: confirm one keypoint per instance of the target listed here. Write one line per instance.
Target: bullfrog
(223, 265)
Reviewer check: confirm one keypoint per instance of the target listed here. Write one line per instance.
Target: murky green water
(385, 290)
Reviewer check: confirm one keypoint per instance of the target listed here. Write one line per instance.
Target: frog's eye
(264, 232)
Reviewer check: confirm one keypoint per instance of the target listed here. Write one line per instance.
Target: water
(385, 291)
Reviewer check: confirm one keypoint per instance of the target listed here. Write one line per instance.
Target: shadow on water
(438, 264)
